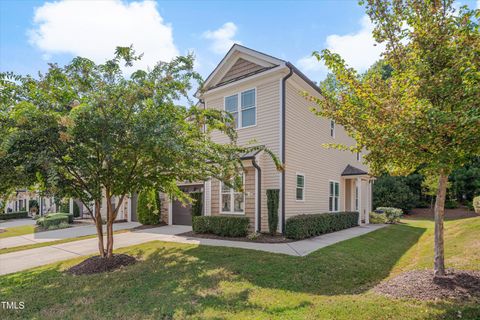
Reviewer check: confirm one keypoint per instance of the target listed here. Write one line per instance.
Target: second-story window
(332, 128)
(245, 116)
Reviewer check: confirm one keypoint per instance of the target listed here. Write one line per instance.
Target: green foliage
(147, 210)
(476, 204)
(465, 181)
(392, 215)
(14, 215)
(197, 204)
(221, 226)
(451, 204)
(32, 203)
(54, 220)
(273, 196)
(62, 214)
(311, 225)
(376, 218)
(389, 191)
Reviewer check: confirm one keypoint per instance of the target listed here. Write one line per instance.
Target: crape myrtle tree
(94, 133)
(426, 111)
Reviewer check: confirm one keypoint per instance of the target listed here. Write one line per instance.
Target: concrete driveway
(16, 223)
(22, 260)
(54, 235)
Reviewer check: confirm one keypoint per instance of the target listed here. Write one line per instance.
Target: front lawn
(187, 281)
(17, 231)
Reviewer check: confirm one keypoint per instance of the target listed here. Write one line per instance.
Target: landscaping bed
(98, 264)
(261, 238)
(420, 284)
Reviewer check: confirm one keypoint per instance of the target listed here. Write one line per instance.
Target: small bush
(476, 204)
(47, 222)
(63, 225)
(311, 225)
(147, 210)
(392, 214)
(14, 215)
(376, 218)
(221, 226)
(272, 204)
(451, 204)
(197, 204)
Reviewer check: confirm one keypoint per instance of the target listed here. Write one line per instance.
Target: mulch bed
(420, 284)
(262, 238)
(459, 213)
(98, 264)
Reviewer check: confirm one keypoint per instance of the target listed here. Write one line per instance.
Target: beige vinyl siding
(265, 132)
(305, 134)
(240, 68)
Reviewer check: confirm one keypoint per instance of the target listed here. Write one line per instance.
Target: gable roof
(352, 171)
(241, 62)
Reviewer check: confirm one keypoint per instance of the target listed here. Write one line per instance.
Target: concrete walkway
(22, 260)
(54, 235)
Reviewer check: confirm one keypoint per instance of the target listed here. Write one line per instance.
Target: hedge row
(221, 226)
(311, 225)
(55, 220)
(14, 215)
(63, 214)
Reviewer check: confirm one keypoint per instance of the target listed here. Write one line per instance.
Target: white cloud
(93, 29)
(222, 38)
(478, 4)
(357, 49)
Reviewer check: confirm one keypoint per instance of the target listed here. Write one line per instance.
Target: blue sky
(33, 33)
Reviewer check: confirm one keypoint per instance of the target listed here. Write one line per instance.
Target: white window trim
(232, 199)
(332, 133)
(358, 156)
(304, 186)
(239, 107)
(333, 204)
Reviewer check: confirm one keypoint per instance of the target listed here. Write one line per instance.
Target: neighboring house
(263, 94)
(20, 201)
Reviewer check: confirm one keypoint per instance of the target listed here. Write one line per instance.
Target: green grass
(201, 282)
(17, 231)
(51, 243)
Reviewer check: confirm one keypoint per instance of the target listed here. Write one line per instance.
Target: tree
(147, 208)
(427, 113)
(391, 191)
(89, 131)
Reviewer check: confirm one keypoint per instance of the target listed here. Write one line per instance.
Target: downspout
(259, 194)
(284, 80)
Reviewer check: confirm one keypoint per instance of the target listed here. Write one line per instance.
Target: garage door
(181, 214)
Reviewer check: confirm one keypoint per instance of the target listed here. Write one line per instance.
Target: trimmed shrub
(47, 222)
(64, 214)
(392, 214)
(221, 226)
(147, 210)
(451, 204)
(310, 225)
(14, 215)
(197, 204)
(272, 205)
(476, 204)
(76, 210)
(376, 218)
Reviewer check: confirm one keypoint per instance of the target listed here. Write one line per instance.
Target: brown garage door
(181, 214)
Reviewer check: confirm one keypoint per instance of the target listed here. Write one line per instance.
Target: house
(20, 201)
(263, 94)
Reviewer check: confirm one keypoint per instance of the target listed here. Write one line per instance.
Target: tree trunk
(98, 224)
(439, 259)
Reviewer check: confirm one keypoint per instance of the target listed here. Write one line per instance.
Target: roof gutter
(284, 80)
(259, 194)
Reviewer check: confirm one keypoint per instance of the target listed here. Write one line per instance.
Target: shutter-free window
(231, 105)
(300, 187)
(248, 108)
(334, 195)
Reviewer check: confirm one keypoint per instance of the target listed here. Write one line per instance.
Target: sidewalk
(54, 235)
(22, 260)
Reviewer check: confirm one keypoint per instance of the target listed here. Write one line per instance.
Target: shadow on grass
(177, 280)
